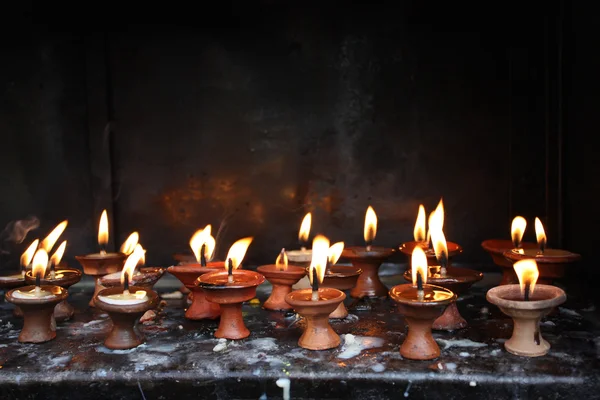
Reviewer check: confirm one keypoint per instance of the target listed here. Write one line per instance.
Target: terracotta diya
(552, 263)
(316, 304)
(423, 240)
(144, 277)
(339, 277)
(526, 303)
(13, 281)
(230, 289)
(102, 263)
(497, 247)
(368, 259)
(457, 280)
(421, 304)
(37, 303)
(282, 276)
(302, 257)
(125, 305)
(63, 277)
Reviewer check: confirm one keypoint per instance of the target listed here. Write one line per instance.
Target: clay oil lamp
(339, 277)
(457, 280)
(368, 259)
(526, 303)
(230, 288)
(282, 276)
(203, 246)
(101, 263)
(497, 247)
(125, 305)
(12, 281)
(552, 263)
(316, 304)
(144, 277)
(37, 303)
(302, 257)
(423, 240)
(63, 277)
(421, 304)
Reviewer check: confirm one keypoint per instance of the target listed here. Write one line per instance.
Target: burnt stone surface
(180, 360)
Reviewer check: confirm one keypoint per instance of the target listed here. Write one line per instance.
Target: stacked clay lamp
(37, 303)
(339, 277)
(315, 304)
(422, 237)
(368, 258)
(230, 288)
(125, 305)
(203, 245)
(282, 277)
(420, 304)
(526, 303)
(101, 263)
(457, 280)
(552, 263)
(497, 247)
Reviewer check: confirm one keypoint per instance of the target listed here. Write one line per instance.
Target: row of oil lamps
(217, 289)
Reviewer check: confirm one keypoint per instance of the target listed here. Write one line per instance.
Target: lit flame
(53, 236)
(436, 219)
(419, 232)
(419, 265)
(320, 253)
(103, 229)
(540, 233)
(527, 272)
(40, 262)
(237, 251)
(142, 260)
(370, 225)
(335, 252)
(282, 261)
(517, 229)
(304, 232)
(203, 236)
(131, 263)
(439, 245)
(58, 254)
(27, 256)
(129, 244)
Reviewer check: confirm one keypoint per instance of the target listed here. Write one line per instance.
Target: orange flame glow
(131, 263)
(419, 231)
(540, 233)
(27, 256)
(39, 263)
(53, 236)
(142, 260)
(370, 225)
(103, 229)
(304, 232)
(419, 265)
(528, 273)
(320, 252)
(203, 236)
(517, 229)
(129, 244)
(237, 251)
(335, 252)
(58, 254)
(282, 261)
(439, 245)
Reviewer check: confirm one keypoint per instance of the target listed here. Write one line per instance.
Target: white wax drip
(11, 277)
(36, 293)
(125, 299)
(284, 383)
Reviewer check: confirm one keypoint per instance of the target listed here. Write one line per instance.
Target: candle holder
(37, 312)
(64, 278)
(145, 277)
(230, 296)
(552, 263)
(458, 281)
(300, 258)
(318, 334)
(420, 315)
(8, 282)
(408, 248)
(124, 333)
(99, 265)
(188, 274)
(369, 261)
(526, 339)
(496, 249)
(282, 281)
(341, 278)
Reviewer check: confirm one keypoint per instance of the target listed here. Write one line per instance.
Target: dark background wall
(254, 113)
